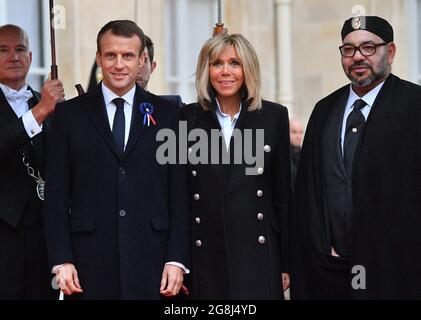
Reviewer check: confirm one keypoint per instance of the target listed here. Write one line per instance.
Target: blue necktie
(354, 125)
(119, 125)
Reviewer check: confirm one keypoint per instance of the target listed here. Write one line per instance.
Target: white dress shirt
(18, 100)
(128, 98)
(369, 99)
(227, 123)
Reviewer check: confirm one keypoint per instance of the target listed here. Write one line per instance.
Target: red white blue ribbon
(147, 110)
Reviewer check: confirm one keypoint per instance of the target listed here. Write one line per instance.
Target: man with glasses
(357, 204)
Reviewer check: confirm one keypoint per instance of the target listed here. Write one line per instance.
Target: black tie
(119, 124)
(354, 125)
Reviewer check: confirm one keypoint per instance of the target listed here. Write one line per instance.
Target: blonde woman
(240, 180)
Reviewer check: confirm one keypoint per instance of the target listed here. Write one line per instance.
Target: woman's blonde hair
(210, 52)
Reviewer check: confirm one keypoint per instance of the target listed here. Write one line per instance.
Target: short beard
(382, 72)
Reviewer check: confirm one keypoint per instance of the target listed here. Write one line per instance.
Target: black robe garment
(386, 197)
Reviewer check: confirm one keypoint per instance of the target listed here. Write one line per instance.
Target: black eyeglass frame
(375, 45)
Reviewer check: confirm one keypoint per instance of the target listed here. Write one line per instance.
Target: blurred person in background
(148, 68)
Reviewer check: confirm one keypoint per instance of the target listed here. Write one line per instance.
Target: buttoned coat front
(239, 221)
(128, 213)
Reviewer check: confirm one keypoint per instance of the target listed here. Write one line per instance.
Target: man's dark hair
(149, 46)
(122, 28)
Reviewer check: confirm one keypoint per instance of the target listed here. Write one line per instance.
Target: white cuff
(180, 265)
(31, 125)
(55, 268)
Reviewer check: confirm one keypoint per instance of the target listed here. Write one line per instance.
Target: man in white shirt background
(24, 271)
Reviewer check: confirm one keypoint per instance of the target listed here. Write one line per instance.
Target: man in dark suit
(24, 270)
(356, 218)
(116, 220)
(148, 68)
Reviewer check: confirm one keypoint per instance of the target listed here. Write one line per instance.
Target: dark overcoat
(238, 221)
(118, 218)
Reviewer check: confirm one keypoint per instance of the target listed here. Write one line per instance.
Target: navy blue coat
(118, 219)
(173, 99)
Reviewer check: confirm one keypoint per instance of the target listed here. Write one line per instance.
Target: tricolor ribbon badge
(147, 110)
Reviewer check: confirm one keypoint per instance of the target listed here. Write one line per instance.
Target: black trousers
(24, 273)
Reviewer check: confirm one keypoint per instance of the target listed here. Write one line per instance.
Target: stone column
(284, 54)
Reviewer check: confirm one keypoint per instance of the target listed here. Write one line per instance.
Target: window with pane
(413, 11)
(32, 16)
(418, 40)
(189, 23)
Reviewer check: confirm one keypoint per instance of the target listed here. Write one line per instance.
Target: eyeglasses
(366, 50)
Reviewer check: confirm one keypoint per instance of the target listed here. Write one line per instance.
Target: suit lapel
(35, 150)
(210, 122)
(243, 113)
(6, 112)
(137, 129)
(97, 111)
(7, 115)
(338, 146)
(214, 123)
(334, 141)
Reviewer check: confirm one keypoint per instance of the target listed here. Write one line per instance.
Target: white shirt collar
(7, 89)
(109, 96)
(369, 98)
(222, 114)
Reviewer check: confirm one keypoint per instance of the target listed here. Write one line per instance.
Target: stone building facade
(297, 40)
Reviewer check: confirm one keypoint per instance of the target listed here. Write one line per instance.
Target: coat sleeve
(281, 184)
(178, 241)
(57, 192)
